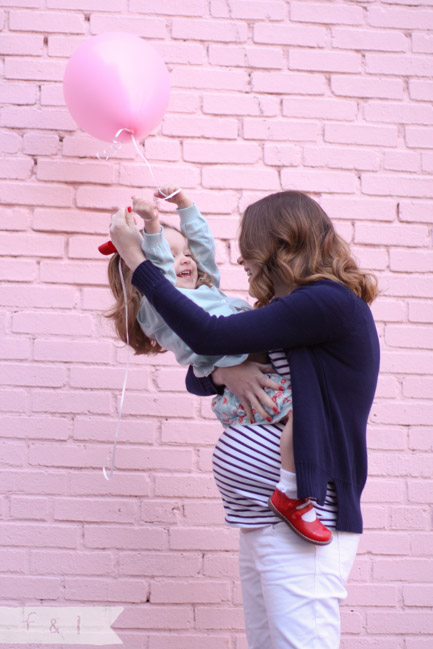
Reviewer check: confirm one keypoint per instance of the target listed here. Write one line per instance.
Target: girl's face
(184, 265)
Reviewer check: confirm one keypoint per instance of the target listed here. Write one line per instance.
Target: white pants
(292, 589)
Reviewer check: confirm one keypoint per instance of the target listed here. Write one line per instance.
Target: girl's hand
(127, 239)
(145, 209)
(247, 381)
(149, 213)
(180, 199)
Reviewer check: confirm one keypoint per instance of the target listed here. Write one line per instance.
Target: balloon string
(119, 416)
(141, 154)
(117, 145)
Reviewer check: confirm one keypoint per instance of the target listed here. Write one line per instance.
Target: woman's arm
(202, 386)
(311, 315)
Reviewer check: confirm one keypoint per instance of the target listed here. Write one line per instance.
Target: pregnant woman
(313, 319)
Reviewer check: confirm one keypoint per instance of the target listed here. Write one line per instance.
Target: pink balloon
(113, 81)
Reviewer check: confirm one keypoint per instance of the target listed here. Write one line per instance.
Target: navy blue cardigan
(330, 339)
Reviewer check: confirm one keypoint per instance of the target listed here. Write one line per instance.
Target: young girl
(187, 259)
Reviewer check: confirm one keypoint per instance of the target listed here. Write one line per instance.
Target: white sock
(310, 516)
(287, 485)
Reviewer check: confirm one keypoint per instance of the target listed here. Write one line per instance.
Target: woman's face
(184, 265)
(250, 267)
(280, 289)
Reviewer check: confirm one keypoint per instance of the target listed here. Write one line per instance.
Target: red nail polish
(275, 410)
(268, 418)
(281, 387)
(129, 209)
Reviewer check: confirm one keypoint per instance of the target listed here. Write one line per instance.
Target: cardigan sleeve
(202, 386)
(311, 315)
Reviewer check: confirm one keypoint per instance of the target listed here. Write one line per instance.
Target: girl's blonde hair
(138, 340)
(292, 240)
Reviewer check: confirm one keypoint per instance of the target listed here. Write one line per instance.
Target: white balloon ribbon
(122, 398)
(116, 145)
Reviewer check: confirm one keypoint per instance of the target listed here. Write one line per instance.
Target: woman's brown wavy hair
(138, 340)
(293, 241)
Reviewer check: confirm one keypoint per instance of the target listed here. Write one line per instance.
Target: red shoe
(291, 511)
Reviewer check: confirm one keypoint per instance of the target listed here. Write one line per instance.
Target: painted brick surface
(331, 97)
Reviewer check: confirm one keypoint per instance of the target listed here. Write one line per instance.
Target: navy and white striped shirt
(246, 465)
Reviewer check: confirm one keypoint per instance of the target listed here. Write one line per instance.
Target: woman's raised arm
(311, 315)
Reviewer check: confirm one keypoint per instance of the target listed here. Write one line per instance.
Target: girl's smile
(184, 275)
(184, 265)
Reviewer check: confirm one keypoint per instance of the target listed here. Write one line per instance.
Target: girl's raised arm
(196, 230)
(154, 245)
(200, 240)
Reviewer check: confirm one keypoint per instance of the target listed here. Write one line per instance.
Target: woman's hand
(247, 381)
(127, 239)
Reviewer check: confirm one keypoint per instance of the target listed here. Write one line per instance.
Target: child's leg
(287, 483)
(299, 514)
(286, 445)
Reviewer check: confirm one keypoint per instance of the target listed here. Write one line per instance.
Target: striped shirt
(246, 465)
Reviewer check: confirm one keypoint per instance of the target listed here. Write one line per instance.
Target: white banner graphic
(89, 625)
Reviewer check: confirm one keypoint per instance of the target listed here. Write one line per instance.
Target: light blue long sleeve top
(210, 298)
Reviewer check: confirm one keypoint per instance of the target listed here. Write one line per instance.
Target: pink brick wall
(334, 98)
